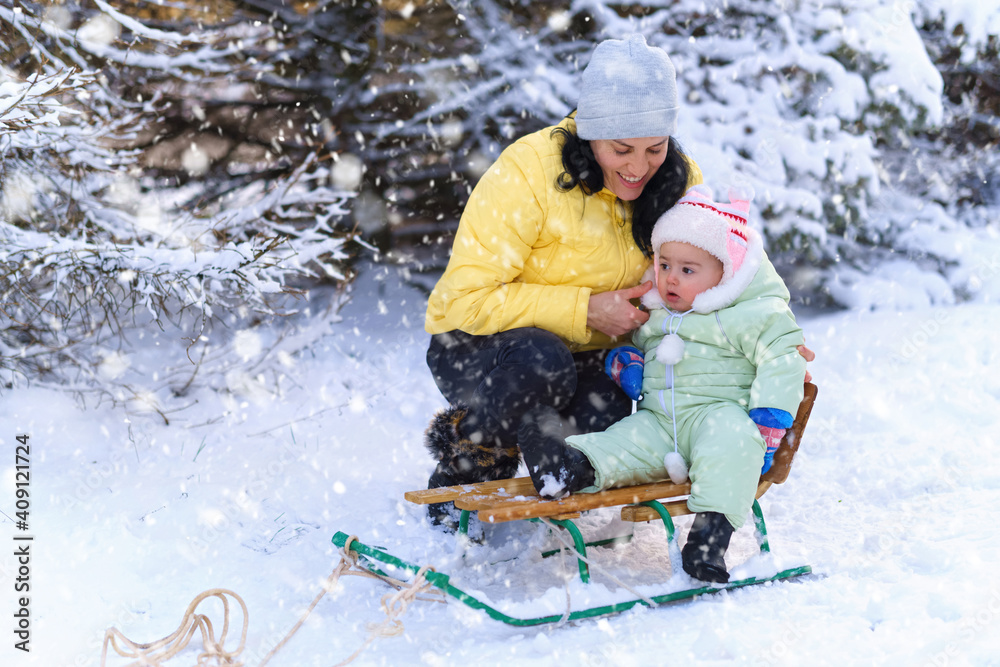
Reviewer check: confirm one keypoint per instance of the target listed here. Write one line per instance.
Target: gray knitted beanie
(628, 91)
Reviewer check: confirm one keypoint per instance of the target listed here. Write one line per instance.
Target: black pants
(507, 377)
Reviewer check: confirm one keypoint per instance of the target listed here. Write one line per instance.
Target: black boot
(702, 556)
(556, 469)
(443, 514)
(462, 461)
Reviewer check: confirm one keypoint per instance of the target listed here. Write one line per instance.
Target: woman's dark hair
(662, 191)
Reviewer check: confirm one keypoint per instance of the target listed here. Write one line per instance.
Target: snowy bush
(95, 242)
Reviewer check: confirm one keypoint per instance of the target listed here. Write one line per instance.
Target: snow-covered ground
(894, 501)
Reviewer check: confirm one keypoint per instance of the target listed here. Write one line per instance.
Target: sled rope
(572, 548)
(154, 654)
(393, 604)
(569, 601)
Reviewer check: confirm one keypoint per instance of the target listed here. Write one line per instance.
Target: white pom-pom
(676, 468)
(741, 193)
(670, 350)
(702, 189)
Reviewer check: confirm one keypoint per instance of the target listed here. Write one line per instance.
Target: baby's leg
(629, 452)
(726, 453)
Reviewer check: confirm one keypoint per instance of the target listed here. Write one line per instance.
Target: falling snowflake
(195, 161)
(59, 16)
(101, 30)
(247, 344)
(559, 21)
(113, 366)
(18, 197)
(347, 172)
(357, 404)
(452, 132)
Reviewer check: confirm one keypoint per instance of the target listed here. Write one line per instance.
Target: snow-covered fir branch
(96, 246)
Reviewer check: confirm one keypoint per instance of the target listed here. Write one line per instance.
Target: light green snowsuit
(739, 357)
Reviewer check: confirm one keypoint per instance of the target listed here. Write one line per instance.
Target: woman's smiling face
(628, 164)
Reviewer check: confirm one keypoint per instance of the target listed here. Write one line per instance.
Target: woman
(550, 248)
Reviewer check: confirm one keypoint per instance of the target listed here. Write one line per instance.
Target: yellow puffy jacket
(530, 255)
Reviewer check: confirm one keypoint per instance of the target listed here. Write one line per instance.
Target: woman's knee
(541, 360)
(456, 369)
(537, 348)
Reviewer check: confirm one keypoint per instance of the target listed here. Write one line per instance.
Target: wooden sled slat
(517, 486)
(640, 513)
(493, 509)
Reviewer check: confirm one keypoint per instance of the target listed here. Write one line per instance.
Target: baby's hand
(808, 355)
(772, 424)
(772, 438)
(624, 366)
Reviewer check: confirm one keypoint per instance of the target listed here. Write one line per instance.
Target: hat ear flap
(736, 247)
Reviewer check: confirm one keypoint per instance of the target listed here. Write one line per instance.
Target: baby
(721, 378)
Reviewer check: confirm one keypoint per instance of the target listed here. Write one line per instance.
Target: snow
(18, 194)
(980, 21)
(896, 282)
(889, 36)
(892, 501)
(552, 487)
(100, 30)
(195, 161)
(347, 173)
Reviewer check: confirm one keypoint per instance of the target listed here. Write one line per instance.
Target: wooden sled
(515, 499)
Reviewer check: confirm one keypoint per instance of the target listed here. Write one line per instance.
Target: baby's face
(685, 271)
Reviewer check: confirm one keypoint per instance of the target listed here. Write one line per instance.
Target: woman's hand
(612, 314)
(808, 355)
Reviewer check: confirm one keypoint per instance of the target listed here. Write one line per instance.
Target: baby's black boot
(556, 469)
(702, 555)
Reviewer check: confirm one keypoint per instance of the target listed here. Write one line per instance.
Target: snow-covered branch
(95, 245)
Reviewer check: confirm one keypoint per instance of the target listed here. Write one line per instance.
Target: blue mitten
(772, 424)
(624, 366)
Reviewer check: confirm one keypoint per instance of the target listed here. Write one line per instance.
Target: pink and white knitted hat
(720, 229)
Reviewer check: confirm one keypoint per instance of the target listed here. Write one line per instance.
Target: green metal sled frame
(370, 555)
